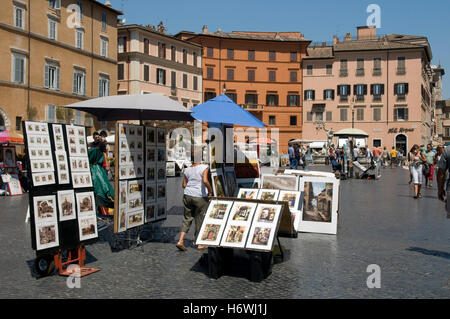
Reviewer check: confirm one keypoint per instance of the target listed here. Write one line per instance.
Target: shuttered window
(146, 73)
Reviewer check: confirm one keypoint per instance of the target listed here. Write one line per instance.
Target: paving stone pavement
(380, 223)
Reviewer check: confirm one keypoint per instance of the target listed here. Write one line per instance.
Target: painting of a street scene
(317, 202)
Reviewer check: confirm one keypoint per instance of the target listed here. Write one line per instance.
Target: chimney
(348, 37)
(335, 39)
(205, 29)
(367, 33)
(108, 4)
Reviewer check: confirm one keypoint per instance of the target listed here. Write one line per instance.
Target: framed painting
(268, 194)
(264, 227)
(248, 193)
(150, 213)
(218, 183)
(88, 227)
(14, 186)
(150, 136)
(66, 205)
(45, 209)
(135, 219)
(9, 156)
(319, 205)
(214, 223)
(47, 235)
(280, 182)
(161, 136)
(231, 182)
(86, 204)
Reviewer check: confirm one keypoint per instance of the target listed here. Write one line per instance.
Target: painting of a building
(317, 202)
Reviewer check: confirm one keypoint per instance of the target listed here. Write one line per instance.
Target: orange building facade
(260, 71)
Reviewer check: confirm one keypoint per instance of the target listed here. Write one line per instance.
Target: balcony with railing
(253, 107)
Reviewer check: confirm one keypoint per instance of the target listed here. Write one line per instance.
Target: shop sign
(400, 130)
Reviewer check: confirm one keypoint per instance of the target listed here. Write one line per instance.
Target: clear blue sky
(318, 20)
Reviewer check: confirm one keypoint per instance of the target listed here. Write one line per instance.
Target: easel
(77, 255)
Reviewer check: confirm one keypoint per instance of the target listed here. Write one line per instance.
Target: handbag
(426, 169)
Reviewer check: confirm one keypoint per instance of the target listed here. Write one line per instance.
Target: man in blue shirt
(291, 156)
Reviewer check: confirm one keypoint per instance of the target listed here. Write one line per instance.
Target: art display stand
(77, 255)
(220, 259)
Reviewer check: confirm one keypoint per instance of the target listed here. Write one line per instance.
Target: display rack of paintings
(240, 224)
(40, 153)
(78, 156)
(58, 159)
(319, 205)
(141, 175)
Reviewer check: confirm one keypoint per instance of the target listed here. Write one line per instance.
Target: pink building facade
(152, 62)
(379, 85)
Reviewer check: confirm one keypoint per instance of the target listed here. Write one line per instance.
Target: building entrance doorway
(401, 143)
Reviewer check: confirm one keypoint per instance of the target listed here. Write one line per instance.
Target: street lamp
(224, 90)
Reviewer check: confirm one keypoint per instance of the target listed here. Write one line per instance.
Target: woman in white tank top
(197, 191)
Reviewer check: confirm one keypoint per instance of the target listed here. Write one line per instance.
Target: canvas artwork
(161, 136)
(218, 210)
(9, 157)
(230, 180)
(66, 205)
(214, 223)
(150, 135)
(210, 235)
(88, 227)
(319, 205)
(218, 184)
(284, 159)
(135, 219)
(268, 194)
(280, 182)
(135, 204)
(242, 212)
(150, 213)
(267, 214)
(85, 204)
(248, 193)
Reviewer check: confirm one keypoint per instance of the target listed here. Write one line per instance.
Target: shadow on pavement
(427, 252)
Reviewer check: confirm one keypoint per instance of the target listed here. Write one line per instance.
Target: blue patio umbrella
(223, 110)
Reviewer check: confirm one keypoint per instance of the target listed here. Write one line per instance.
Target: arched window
(2, 124)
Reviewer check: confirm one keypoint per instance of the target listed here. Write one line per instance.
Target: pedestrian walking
(394, 154)
(430, 155)
(385, 157)
(197, 191)
(442, 167)
(297, 156)
(291, 153)
(417, 159)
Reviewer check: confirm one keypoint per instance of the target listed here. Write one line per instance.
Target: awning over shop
(153, 106)
(351, 132)
(223, 110)
(317, 145)
(6, 137)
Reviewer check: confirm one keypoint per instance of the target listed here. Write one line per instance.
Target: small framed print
(135, 189)
(135, 204)
(150, 135)
(44, 209)
(268, 194)
(131, 172)
(292, 197)
(39, 166)
(161, 192)
(161, 174)
(58, 137)
(150, 193)
(123, 145)
(81, 180)
(161, 212)
(135, 219)
(161, 136)
(140, 132)
(63, 177)
(150, 213)
(122, 220)
(123, 185)
(262, 232)
(248, 193)
(150, 155)
(66, 205)
(139, 171)
(47, 235)
(122, 130)
(85, 204)
(161, 156)
(42, 179)
(150, 173)
(238, 226)
(88, 227)
(79, 164)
